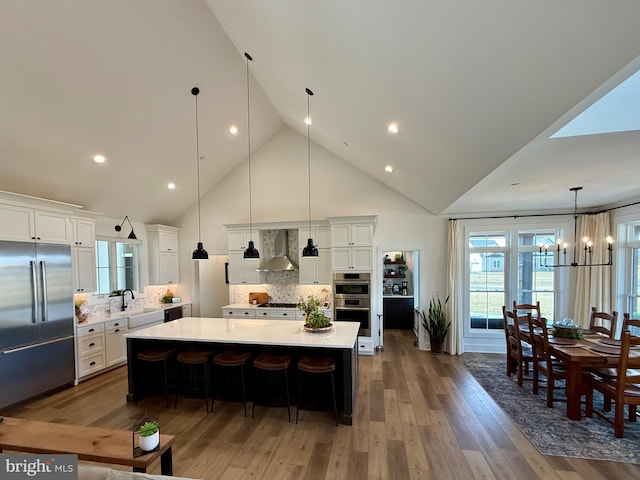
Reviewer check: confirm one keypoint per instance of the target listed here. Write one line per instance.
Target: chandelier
(586, 247)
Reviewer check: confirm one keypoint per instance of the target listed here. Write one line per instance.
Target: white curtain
(593, 284)
(455, 277)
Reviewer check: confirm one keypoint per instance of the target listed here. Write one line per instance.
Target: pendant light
(199, 253)
(310, 250)
(251, 251)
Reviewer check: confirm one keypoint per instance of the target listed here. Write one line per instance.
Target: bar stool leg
(335, 405)
(166, 383)
(301, 374)
(244, 393)
(286, 388)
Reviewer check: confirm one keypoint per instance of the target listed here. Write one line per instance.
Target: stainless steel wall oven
(352, 300)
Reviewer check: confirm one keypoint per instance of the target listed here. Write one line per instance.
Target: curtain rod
(545, 214)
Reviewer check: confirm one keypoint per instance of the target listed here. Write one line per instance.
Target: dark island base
(145, 381)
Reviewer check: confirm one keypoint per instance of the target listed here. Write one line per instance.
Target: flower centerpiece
(78, 302)
(315, 321)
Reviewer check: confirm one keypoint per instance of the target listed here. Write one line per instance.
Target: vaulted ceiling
(476, 89)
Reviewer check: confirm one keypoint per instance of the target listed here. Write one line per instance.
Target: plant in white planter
(149, 436)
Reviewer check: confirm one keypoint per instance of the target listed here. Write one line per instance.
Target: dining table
(594, 350)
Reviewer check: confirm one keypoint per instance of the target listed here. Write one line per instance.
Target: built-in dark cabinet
(398, 312)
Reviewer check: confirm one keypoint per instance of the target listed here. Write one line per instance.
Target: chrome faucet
(124, 305)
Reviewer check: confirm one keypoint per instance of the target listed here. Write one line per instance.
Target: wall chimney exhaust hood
(280, 262)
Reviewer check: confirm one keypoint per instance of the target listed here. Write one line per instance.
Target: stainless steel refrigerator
(36, 320)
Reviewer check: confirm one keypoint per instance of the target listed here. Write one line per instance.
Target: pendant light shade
(251, 251)
(310, 250)
(199, 253)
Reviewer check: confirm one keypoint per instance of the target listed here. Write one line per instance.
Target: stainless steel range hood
(280, 262)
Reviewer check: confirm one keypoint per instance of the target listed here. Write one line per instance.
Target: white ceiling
(476, 88)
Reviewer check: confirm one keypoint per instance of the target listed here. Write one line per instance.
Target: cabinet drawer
(90, 329)
(90, 343)
(91, 364)
(365, 345)
(237, 313)
(120, 324)
(275, 314)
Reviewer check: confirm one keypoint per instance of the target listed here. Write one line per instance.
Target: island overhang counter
(256, 336)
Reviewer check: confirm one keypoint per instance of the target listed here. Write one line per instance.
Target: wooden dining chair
(544, 364)
(519, 354)
(631, 324)
(523, 308)
(603, 322)
(622, 390)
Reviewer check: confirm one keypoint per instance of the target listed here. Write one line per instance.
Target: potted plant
(314, 320)
(149, 435)
(435, 323)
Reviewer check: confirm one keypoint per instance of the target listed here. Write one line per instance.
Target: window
(116, 266)
(633, 253)
(504, 267)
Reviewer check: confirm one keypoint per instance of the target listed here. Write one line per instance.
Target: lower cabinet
(115, 343)
(100, 346)
(398, 312)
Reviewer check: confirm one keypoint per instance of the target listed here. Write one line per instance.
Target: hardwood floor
(419, 416)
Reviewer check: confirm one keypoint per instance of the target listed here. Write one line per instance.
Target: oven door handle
(353, 308)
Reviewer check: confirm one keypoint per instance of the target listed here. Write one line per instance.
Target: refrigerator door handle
(27, 347)
(43, 276)
(34, 292)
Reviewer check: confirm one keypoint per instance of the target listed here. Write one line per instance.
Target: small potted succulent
(315, 321)
(149, 435)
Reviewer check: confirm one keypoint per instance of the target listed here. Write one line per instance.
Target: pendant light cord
(195, 92)
(309, 93)
(248, 57)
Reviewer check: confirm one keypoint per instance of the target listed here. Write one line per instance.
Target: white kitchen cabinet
(321, 236)
(163, 254)
(352, 243)
(243, 270)
(349, 259)
(115, 343)
(238, 313)
(186, 310)
(315, 270)
(275, 314)
(84, 232)
(239, 239)
(83, 260)
(90, 350)
(83, 255)
(27, 224)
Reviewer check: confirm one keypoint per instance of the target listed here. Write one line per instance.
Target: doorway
(400, 296)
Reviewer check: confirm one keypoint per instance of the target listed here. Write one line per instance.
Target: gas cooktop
(278, 305)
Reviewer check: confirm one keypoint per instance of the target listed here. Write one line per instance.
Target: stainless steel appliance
(36, 320)
(352, 300)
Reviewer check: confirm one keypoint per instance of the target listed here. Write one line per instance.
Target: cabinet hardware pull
(92, 344)
(92, 364)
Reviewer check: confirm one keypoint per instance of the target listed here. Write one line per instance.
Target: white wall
(279, 186)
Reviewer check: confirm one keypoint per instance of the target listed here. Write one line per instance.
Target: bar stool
(192, 358)
(313, 366)
(156, 355)
(229, 358)
(272, 363)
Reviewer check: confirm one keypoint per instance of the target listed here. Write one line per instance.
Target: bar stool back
(228, 359)
(267, 363)
(314, 366)
(192, 358)
(156, 355)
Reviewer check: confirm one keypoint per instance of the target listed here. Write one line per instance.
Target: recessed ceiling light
(388, 168)
(99, 158)
(393, 128)
(233, 130)
(171, 185)
(307, 121)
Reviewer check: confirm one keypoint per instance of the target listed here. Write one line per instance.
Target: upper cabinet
(352, 243)
(321, 236)
(243, 270)
(84, 232)
(163, 254)
(25, 224)
(83, 254)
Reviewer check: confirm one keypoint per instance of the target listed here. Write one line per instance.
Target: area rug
(550, 431)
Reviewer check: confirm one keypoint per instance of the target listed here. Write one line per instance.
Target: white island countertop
(249, 331)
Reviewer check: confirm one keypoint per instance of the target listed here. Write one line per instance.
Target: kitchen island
(256, 336)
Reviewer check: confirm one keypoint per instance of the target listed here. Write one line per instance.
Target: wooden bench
(89, 443)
